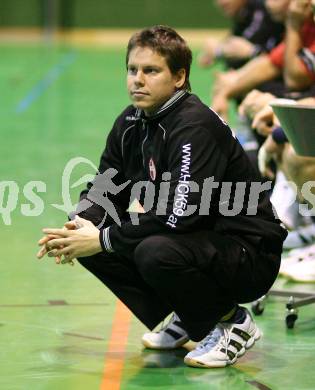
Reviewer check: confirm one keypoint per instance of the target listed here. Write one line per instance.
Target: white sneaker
(224, 344)
(170, 336)
(283, 199)
(300, 252)
(303, 271)
(295, 258)
(300, 237)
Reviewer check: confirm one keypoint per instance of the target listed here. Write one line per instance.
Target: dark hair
(165, 41)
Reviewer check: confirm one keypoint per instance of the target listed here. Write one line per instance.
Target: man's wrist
(294, 24)
(227, 92)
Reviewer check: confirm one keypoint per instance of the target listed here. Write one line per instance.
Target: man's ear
(181, 78)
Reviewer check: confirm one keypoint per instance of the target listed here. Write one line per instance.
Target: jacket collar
(172, 102)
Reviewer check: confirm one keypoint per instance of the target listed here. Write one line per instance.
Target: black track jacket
(193, 173)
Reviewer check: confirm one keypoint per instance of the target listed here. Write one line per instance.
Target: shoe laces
(211, 340)
(227, 338)
(218, 337)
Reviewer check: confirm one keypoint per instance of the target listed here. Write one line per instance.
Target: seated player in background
(199, 236)
(293, 59)
(253, 32)
(298, 170)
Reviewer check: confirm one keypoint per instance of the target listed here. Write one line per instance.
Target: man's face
(231, 7)
(150, 82)
(278, 9)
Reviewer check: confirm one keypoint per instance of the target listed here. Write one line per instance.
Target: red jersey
(306, 54)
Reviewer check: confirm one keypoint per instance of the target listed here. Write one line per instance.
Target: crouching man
(200, 238)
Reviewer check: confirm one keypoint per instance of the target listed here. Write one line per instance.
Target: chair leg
(296, 299)
(258, 306)
(291, 314)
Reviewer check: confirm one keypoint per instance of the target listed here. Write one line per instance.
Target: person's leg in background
(299, 265)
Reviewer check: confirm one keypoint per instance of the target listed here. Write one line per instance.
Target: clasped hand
(78, 238)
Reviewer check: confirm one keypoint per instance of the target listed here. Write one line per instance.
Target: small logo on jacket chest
(152, 169)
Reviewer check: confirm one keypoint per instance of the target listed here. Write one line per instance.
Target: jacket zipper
(145, 138)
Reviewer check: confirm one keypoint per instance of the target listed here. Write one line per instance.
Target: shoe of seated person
(170, 336)
(300, 237)
(225, 343)
(283, 200)
(295, 258)
(303, 271)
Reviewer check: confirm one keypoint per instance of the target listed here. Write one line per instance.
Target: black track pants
(200, 276)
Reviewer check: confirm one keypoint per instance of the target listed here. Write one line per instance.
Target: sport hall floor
(59, 327)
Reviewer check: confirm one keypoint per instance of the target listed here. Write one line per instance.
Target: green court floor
(59, 327)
